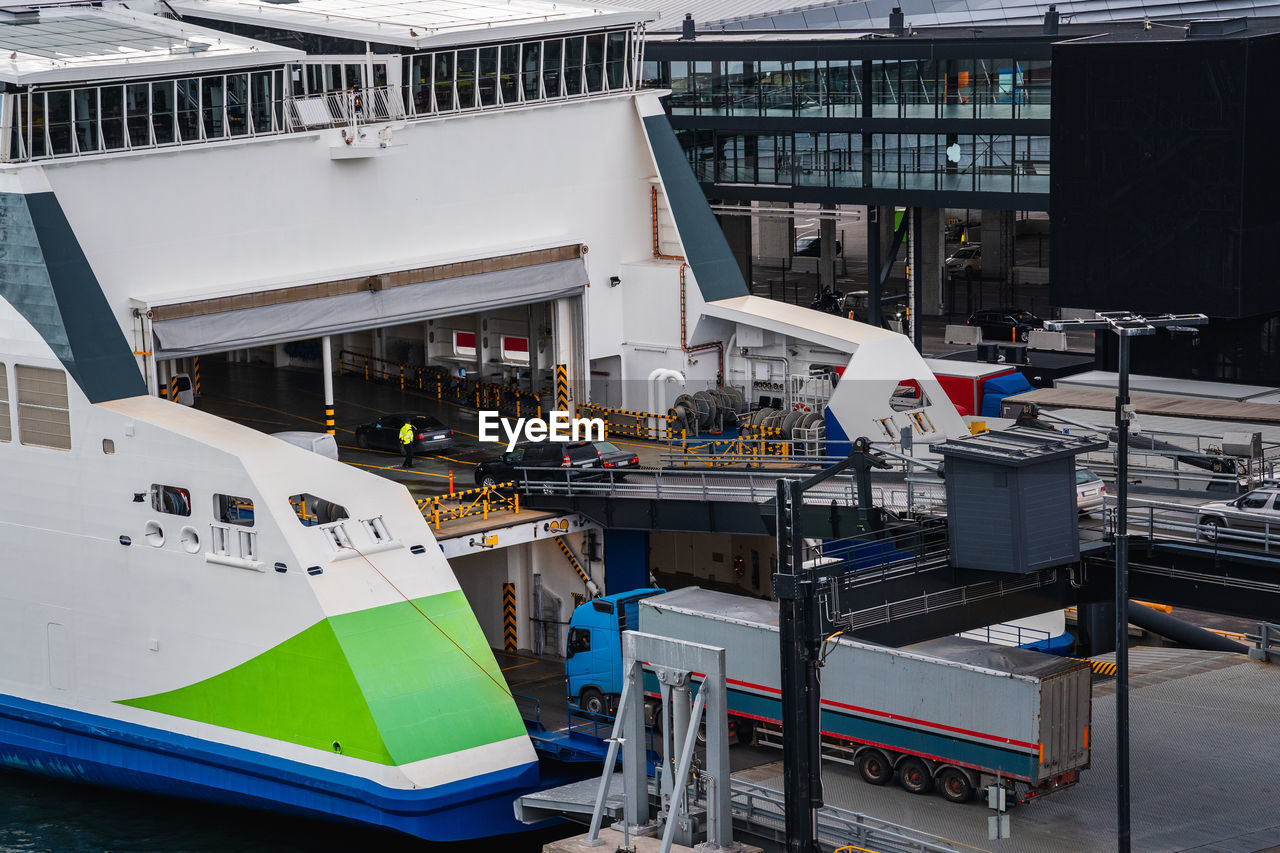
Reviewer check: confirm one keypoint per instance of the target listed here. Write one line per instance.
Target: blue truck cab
(593, 653)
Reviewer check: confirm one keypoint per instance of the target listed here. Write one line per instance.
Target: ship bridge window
(111, 101)
(573, 65)
(59, 122)
(510, 74)
(6, 430)
(500, 75)
(164, 119)
(444, 82)
(86, 118)
(488, 76)
(230, 509)
(312, 510)
(44, 416)
(136, 108)
(552, 59)
(173, 500)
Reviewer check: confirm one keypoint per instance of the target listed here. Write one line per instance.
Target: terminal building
(1061, 122)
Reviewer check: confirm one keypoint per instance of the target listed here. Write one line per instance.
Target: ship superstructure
(205, 611)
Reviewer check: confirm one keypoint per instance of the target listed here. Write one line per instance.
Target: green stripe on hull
(383, 683)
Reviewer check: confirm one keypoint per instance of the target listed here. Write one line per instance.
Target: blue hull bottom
(69, 744)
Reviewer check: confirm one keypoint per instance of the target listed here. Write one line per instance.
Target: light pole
(1125, 325)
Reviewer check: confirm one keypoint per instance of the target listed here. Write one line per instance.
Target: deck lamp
(1126, 325)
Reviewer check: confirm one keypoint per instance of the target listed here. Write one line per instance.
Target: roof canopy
(81, 43)
(416, 24)
(804, 324)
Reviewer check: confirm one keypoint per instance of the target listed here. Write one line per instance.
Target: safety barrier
(754, 444)
(646, 425)
(1220, 529)
(479, 501)
(1266, 648)
(763, 810)
(437, 382)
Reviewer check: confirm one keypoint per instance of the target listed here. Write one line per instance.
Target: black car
(580, 460)
(1005, 324)
(811, 247)
(429, 435)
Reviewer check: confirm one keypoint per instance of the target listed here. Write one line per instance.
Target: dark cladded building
(1164, 189)
(1150, 148)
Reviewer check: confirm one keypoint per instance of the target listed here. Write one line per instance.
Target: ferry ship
(195, 608)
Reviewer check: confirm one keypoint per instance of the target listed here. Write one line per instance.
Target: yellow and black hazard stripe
(602, 410)
(561, 387)
(1099, 667)
(509, 617)
(573, 561)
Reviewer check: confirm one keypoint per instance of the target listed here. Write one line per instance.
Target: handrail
(760, 807)
(337, 109)
(1192, 523)
(721, 484)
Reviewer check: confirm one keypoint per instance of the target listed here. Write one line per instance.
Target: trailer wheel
(914, 776)
(954, 785)
(874, 767)
(592, 701)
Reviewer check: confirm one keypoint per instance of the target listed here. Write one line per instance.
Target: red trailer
(964, 381)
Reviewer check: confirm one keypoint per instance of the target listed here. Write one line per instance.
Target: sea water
(53, 816)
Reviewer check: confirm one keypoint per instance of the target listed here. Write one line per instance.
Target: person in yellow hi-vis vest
(406, 444)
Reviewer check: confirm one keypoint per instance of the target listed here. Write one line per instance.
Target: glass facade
(940, 124)
(936, 162)
(494, 76)
(895, 88)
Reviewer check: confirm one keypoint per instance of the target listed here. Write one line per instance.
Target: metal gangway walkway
(757, 812)
(1184, 555)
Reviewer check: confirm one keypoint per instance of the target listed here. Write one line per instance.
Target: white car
(966, 261)
(1089, 491)
(1253, 512)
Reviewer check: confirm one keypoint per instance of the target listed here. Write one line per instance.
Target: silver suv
(1253, 512)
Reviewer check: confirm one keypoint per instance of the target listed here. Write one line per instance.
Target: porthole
(108, 446)
(190, 540)
(153, 533)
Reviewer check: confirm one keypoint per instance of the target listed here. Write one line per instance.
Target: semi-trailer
(952, 713)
